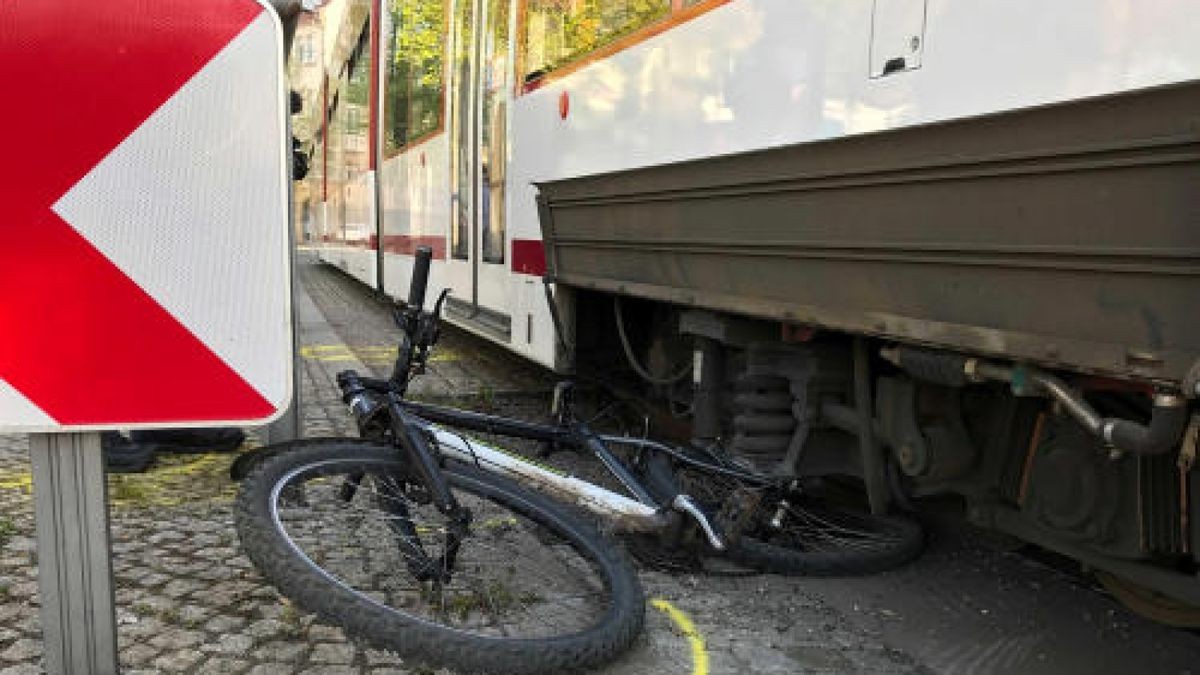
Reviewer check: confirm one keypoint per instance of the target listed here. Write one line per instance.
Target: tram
(947, 248)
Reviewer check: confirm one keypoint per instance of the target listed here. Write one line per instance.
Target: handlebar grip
(420, 277)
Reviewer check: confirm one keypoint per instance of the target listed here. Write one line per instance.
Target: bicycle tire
(417, 639)
(247, 461)
(880, 544)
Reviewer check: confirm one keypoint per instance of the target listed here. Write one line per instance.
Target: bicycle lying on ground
(422, 540)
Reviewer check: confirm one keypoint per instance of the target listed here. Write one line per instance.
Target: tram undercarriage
(1000, 308)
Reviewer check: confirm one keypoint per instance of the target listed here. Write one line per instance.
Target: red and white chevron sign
(144, 262)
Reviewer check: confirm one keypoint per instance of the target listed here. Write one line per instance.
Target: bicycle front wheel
(531, 588)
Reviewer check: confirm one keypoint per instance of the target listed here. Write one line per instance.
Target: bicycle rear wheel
(812, 537)
(532, 588)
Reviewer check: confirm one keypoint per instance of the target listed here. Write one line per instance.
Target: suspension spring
(763, 422)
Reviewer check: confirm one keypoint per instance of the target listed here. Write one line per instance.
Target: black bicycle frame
(579, 437)
(412, 425)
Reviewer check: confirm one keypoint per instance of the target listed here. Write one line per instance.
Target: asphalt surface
(189, 602)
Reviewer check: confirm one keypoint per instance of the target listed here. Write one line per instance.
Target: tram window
(414, 73)
(557, 32)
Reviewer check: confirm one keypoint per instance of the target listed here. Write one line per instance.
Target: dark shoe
(122, 455)
(192, 441)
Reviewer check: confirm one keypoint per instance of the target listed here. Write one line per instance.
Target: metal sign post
(288, 426)
(74, 566)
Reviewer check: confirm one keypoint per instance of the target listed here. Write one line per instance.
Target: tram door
(479, 102)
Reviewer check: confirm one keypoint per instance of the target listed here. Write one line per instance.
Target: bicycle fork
(390, 498)
(425, 464)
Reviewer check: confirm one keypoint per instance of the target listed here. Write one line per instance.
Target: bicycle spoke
(507, 580)
(815, 528)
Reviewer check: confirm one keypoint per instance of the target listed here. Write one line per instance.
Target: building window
(358, 89)
(414, 74)
(307, 54)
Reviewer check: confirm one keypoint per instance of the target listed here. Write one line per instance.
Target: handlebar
(420, 333)
(357, 394)
(420, 277)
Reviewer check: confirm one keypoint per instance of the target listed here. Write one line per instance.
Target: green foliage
(168, 614)
(419, 39)
(7, 530)
(487, 398)
(415, 69)
(570, 29)
(290, 618)
(129, 490)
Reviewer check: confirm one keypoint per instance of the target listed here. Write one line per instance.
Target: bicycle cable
(633, 363)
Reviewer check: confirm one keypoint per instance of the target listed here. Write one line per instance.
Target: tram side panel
(758, 74)
(414, 189)
(754, 75)
(742, 75)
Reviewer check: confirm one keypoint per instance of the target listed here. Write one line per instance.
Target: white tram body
(966, 232)
(698, 79)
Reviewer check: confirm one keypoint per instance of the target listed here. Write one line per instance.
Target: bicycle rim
(817, 528)
(512, 578)
(809, 537)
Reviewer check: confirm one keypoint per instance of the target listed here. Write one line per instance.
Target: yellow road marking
(166, 484)
(366, 353)
(16, 480)
(699, 653)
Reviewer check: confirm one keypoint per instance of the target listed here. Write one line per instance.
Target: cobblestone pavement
(189, 602)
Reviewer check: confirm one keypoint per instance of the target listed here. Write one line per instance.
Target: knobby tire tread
(427, 643)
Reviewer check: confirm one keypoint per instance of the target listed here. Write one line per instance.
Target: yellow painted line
(685, 625)
(364, 353)
(367, 353)
(17, 480)
(174, 481)
(200, 463)
(162, 485)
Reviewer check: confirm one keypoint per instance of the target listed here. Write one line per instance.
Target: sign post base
(74, 557)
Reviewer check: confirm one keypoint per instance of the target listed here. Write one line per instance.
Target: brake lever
(437, 306)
